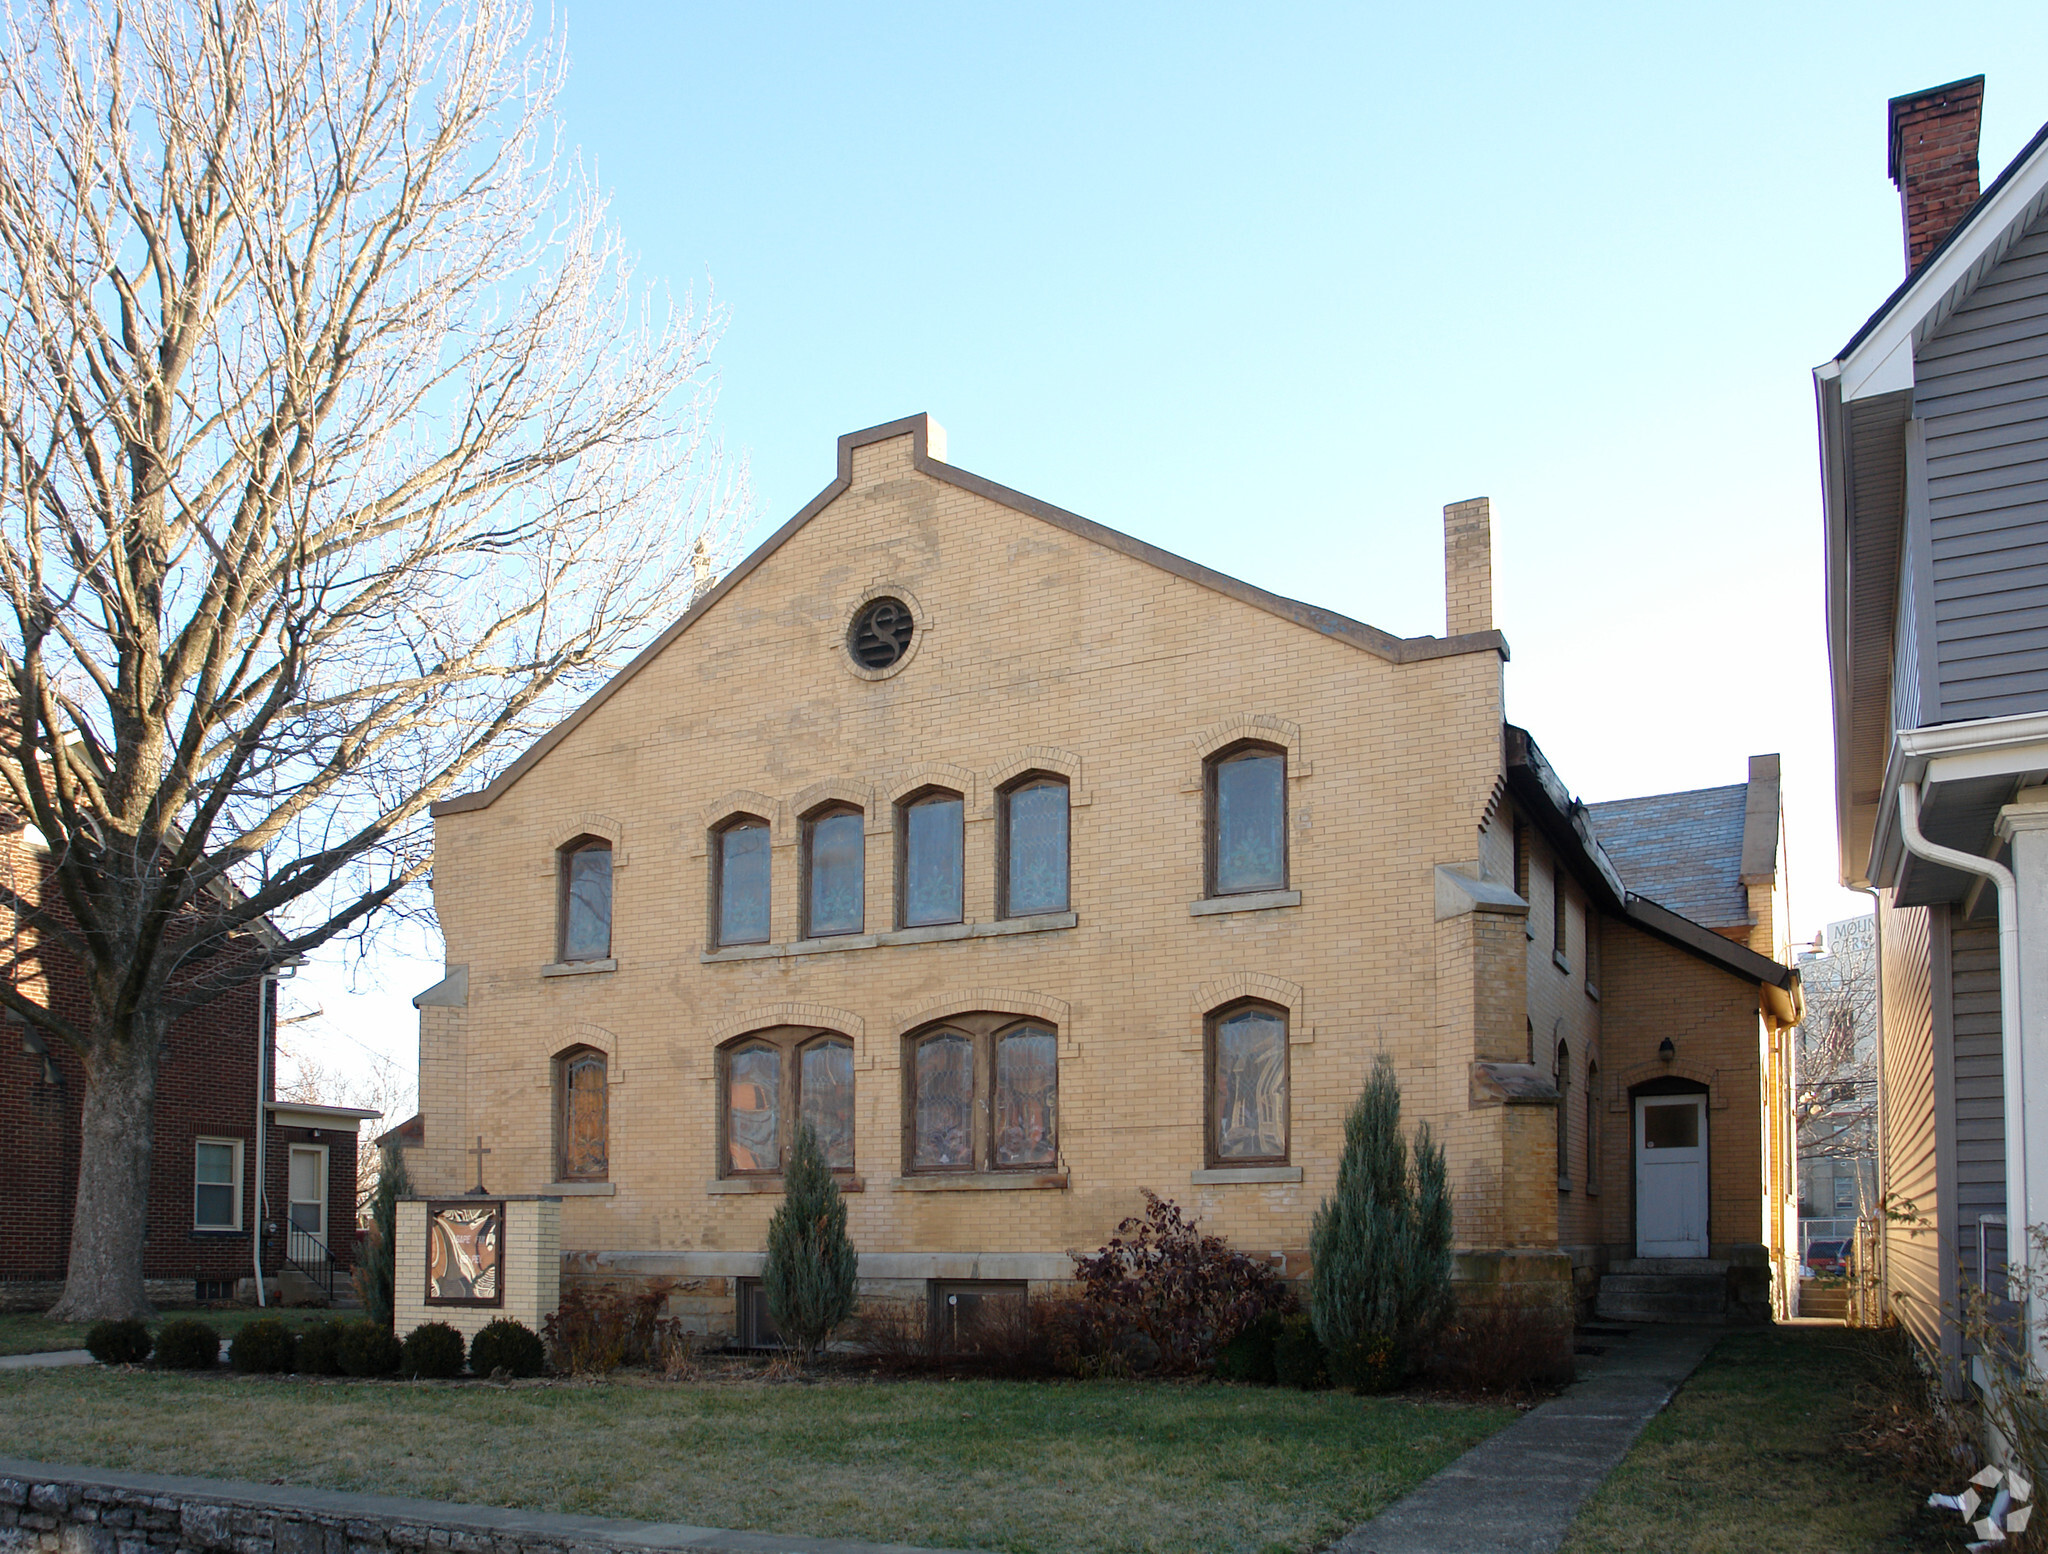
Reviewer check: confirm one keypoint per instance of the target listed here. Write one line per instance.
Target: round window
(880, 634)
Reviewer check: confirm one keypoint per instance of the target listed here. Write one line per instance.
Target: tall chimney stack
(1468, 567)
(1932, 157)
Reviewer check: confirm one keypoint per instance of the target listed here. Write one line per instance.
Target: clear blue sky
(1268, 286)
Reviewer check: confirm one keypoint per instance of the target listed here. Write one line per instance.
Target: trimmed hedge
(320, 1348)
(264, 1345)
(125, 1342)
(507, 1345)
(368, 1349)
(432, 1350)
(187, 1344)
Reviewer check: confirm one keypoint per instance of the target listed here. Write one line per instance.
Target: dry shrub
(675, 1354)
(1022, 1340)
(1513, 1344)
(602, 1327)
(1902, 1418)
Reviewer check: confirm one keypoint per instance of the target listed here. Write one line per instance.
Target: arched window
(1247, 828)
(983, 1094)
(1592, 1126)
(1248, 1102)
(1031, 874)
(1561, 1071)
(835, 872)
(584, 914)
(774, 1081)
(583, 1116)
(929, 847)
(740, 855)
(753, 1109)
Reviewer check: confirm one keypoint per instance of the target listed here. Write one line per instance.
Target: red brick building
(208, 1154)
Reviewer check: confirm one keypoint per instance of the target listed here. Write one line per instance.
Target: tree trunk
(104, 1279)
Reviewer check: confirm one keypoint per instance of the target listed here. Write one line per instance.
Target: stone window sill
(1592, 1191)
(1557, 959)
(1593, 992)
(1220, 1174)
(755, 1184)
(1564, 1184)
(578, 968)
(984, 1181)
(937, 933)
(1252, 901)
(582, 1189)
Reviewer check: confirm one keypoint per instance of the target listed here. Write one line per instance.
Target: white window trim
(236, 1146)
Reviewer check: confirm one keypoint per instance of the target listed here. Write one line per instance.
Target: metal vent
(881, 634)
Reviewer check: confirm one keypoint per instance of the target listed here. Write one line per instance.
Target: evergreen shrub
(432, 1350)
(187, 1344)
(264, 1345)
(1298, 1359)
(119, 1343)
(809, 1274)
(375, 1270)
(320, 1348)
(368, 1348)
(507, 1345)
(1380, 1246)
(1249, 1356)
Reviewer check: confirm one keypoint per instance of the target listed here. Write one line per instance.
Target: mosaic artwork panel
(465, 1254)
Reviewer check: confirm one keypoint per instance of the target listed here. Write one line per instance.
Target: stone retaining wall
(66, 1510)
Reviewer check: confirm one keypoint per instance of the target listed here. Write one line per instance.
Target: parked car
(1827, 1259)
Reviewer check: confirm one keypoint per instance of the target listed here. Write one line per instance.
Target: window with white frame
(217, 1184)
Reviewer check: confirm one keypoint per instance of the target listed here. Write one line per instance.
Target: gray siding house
(1934, 452)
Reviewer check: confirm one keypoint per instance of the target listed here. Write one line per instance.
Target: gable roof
(1328, 623)
(1682, 850)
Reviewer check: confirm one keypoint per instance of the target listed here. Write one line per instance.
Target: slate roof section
(1681, 850)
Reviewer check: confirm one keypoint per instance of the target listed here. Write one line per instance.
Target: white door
(1671, 1176)
(309, 1192)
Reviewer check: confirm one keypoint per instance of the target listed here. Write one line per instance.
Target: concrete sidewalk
(49, 1357)
(1518, 1492)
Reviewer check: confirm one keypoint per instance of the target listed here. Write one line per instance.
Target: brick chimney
(1468, 567)
(1932, 157)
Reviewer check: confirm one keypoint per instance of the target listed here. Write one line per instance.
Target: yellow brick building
(1037, 867)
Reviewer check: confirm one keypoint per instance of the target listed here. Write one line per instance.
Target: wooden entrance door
(1671, 1176)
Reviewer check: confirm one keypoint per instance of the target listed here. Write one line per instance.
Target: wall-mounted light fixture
(1665, 1050)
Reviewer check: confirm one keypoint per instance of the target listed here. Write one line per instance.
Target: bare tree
(339, 452)
(1836, 1097)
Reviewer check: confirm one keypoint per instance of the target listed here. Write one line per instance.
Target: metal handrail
(310, 1256)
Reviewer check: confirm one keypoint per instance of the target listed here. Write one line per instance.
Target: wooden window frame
(1592, 1088)
(790, 1043)
(901, 828)
(1522, 871)
(808, 831)
(984, 1030)
(719, 833)
(584, 844)
(1003, 796)
(1560, 912)
(565, 1060)
(1591, 919)
(1210, 767)
(1212, 1028)
(237, 1185)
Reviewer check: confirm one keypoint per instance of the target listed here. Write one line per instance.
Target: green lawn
(28, 1333)
(1027, 1468)
(1752, 1455)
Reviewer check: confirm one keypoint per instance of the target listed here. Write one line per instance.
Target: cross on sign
(479, 1190)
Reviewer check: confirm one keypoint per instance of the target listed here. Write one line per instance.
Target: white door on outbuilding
(1671, 1176)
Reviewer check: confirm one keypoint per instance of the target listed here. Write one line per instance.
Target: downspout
(266, 1029)
(2017, 1250)
(1884, 1159)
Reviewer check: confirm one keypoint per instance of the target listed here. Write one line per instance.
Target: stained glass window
(743, 883)
(1250, 1085)
(1249, 822)
(931, 860)
(838, 883)
(753, 1116)
(825, 1080)
(1027, 1098)
(943, 1107)
(465, 1250)
(586, 1123)
(1035, 841)
(587, 902)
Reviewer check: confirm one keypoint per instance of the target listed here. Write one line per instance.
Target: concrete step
(1710, 1285)
(1699, 1266)
(1653, 1306)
